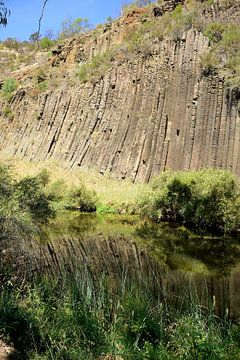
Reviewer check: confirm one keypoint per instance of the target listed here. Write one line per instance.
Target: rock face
(143, 116)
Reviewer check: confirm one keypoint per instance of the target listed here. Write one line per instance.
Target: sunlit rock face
(145, 114)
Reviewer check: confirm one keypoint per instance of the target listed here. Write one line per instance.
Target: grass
(97, 66)
(80, 317)
(224, 54)
(113, 195)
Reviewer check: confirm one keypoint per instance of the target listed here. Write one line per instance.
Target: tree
(40, 20)
(4, 14)
(35, 37)
(70, 28)
(49, 34)
(11, 43)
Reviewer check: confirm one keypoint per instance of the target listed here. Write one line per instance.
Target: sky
(25, 14)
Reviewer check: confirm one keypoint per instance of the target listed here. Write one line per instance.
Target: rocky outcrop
(143, 116)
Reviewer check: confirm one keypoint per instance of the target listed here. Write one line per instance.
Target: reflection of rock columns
(120, 259)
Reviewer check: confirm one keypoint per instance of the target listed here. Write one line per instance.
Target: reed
(80, 317)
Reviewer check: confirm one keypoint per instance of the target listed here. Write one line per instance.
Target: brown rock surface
(143, 116)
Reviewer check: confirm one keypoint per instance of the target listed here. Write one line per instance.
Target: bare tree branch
(4, 13)
(40, 21)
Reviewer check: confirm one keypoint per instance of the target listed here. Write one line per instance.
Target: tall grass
(112, 195)
(80, 317)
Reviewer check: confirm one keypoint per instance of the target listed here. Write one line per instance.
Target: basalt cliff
(148, 111)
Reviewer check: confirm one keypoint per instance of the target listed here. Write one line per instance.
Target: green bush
(7, 112)
(224, 53)
(214, 31)
(130, 6)
(209, 63)
(23, 205)
(46, 43)
(208, 199)
(31, 196)
(9, 86)
(42, 86)
(97, 67)
(81, 199)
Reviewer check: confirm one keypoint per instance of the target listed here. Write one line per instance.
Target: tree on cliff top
(4, 13)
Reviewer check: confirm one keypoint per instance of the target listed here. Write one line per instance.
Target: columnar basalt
(141, 117)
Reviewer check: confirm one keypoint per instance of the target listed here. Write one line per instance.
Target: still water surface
(170, 262)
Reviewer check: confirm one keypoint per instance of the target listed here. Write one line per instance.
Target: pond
(171, 263)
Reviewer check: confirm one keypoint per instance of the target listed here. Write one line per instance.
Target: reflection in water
(178, 246)
(169, 262)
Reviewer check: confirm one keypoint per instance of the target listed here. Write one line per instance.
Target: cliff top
(134, 35)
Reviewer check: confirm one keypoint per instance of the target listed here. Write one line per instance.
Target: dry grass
(110, 191)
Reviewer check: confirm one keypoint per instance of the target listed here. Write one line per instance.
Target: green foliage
(106, 209)
(225, 53)
(42, 86)
(230, 41)
(7, 112)
(207, 199)
(97, 67)
(78, 317)
(30, 194)
(139, 321)
(9, 86)
(77, 197)
(71, 28)
(34, 37)
(214, 31)
(128, 7)
(109, 20)
(17, 326)
(82, 199)
(23, 205)
(209, 63)
(46, 43)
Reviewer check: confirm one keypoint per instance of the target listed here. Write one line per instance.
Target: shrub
(208, 199)
(31, 196)
(46, 43)
(81, 199)
(42, 86)
(23, 205)
(209, 63)
(7, 112)
(224, 53)
(9, 86)
(214, 31)
(128, 7)
(97, 67)
(70, 28)
(18, 327)
(179, 21)
(230, 41)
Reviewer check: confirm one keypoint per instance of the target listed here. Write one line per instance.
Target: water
(171, 263)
